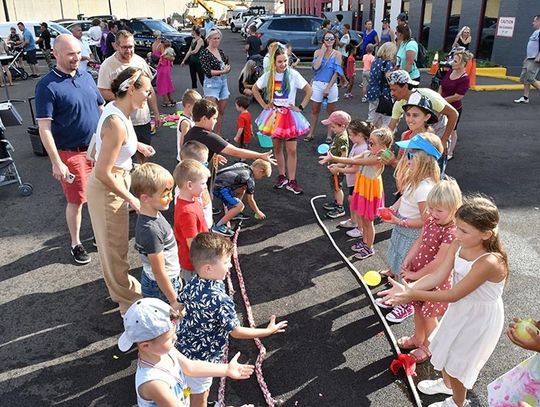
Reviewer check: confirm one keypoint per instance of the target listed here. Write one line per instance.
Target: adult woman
(248, 77)
(378, 88)
(108, 186)
(5, 62)
(194, 53)
(387, 34)
(453, 88)
(157, 47)
(326, 67)
(407, 51)
(463, 38)
(369, 36)
(215, 66)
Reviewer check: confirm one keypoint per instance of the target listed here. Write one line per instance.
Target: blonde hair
(194, 150)
(150, 178)
(387, 51)
(190, 96)
(385, 136)
(264, 165)
(189, 171)
(466, 56)
(426, 166)
(446, 194)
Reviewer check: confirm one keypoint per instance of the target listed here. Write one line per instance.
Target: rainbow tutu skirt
(282, 123)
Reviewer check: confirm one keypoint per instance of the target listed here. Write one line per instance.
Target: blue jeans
(151, 289)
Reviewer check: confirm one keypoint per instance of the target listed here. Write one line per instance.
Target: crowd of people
(446, 263)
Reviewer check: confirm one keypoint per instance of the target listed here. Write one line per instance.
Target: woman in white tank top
(108, 186)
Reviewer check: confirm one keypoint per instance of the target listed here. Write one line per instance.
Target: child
(185, 121)
(472, 325)
(416, 175)
(154, 237)
(210, 315)
(425, 256)
(337, 123)
(231, 184)
(281, 119)
(350, 70)
(243, 124)
(293, 59)
(367, 61)
(359, 132)
(368, 194)
(191, 177)
(151, 325)
(164, 83)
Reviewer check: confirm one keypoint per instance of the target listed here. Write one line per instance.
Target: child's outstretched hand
(269, 156)
(260, 215)
(274, 328)
(237, 370)
(530, 344)
(398, 294)
(334, 169)
(325, 159)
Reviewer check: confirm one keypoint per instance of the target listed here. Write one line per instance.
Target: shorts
(336, 181)
(216, 87)
(79, 166)
(377, 119)
(31, 57)
(143, 132)
(228, 197)
(199, 385)
(529, 71)
(318, 91)
(150, 288)
(365, 78)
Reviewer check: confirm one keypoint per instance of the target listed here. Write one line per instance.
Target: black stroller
(443, 67)
(17, 71)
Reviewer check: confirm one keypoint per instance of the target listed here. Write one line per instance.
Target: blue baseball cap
(420, 143)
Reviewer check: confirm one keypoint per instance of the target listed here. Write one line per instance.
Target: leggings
(195, 69)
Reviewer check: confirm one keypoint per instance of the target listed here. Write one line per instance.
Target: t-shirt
(244, 122)
(188, 222)
(29, 39)
(340, 144)
(213, 141)
(109, 41)
(46, 40)
(183, 118)
(283, 97)
(351, 66)
(368, 38)
(85, 52)
(95, 34)
(153, 236)
(408, 207)
(356, 149)
(450, 87)
(437, 102)
(109, 70)
(255, 45)
(401, 57)
(236, 176)
(533, 45)
(367, 61)
(210, 318)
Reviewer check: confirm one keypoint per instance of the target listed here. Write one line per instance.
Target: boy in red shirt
(191, 177)
(243, 125)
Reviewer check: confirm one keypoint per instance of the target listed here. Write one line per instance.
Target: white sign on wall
(505, 27)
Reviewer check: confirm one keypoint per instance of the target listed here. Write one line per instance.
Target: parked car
(239, 19)
(35, 28)
(255, 20)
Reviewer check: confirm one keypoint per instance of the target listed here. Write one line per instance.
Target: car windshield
(159, 26)
(59, 28)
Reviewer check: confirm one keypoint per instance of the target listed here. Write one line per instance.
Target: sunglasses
(410, 155)
(330, 39)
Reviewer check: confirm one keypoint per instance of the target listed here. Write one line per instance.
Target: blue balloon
(323, 148)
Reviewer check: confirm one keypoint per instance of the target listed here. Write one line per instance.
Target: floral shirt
(210, 63)
(378, 84)
(210, 318)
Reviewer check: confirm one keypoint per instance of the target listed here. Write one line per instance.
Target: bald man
(68, 106)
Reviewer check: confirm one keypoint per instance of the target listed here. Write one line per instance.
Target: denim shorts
(227, 196)
(216, 87)
(150, 288)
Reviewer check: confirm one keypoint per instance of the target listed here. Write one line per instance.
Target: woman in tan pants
(108, 186)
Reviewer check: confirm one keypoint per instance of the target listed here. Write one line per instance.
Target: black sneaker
(241, 216)
(215, 211)
(338, 212)
(80, 255)
(330, 206)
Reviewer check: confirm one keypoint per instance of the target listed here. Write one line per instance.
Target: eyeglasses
(329, 39)
(126, 47)
(410, 155)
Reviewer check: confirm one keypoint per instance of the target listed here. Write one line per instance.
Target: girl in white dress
(470, 329)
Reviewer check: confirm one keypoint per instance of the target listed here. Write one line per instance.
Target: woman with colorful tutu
(281, 119)
(164, 83)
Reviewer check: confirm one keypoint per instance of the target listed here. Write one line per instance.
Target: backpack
(421, 59)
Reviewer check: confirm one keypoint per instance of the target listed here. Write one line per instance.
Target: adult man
(86, 53)
(68, 107)
(29, 45)
(253, 43)
(111, 67)
(337, 26)
(402, 87)
(531, 65)
(111, 38)
(44, 42)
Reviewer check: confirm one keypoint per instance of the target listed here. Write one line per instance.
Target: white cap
(145, 320)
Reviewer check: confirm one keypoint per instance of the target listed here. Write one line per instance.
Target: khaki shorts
(529, 71)
(365, 78)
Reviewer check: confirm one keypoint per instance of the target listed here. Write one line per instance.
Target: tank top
(129, 148)
(385, 36)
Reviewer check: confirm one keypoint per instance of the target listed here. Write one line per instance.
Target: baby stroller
(17, 71)
(443, 67)
(8, 169)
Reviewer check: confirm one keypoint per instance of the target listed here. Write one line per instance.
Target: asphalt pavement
(58, 329)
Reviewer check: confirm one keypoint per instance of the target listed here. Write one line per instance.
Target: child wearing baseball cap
(150, 323)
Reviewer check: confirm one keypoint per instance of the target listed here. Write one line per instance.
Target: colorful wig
(268, 92)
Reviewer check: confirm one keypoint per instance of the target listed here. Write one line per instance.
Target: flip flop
(421, 354)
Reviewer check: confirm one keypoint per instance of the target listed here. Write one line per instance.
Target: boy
(243, 124)
(151, 325)
(231, 184)
(367, 61)
(337, 122)
(154, 238)
(185, 121)
(210, 314)
(191, 177)
(350, 70)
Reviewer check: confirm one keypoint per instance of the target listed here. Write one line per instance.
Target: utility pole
(110, 8)
(6, 10)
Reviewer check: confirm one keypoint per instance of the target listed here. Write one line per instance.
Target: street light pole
(6, 10)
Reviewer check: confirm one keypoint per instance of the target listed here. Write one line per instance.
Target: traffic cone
(470, 68)
(435, 64)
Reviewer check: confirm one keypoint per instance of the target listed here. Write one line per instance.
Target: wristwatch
(300, 107)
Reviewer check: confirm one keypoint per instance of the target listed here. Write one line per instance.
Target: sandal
(309, 138)
(421, 354)
(407, 342)
(364, 254)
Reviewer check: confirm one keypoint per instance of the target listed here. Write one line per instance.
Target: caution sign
(505, 27)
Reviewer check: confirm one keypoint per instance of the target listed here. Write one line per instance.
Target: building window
(452, 23)
(488, 28)
(426, 22)
(405, 6)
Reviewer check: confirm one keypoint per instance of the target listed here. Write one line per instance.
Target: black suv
(143, 29)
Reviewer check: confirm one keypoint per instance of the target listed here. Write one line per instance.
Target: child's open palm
(237, 370)
(398, 294)
(274, 328)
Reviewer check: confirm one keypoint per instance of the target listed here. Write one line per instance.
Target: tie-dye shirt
(281, 98)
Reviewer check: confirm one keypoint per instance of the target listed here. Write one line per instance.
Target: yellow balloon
(372, 278)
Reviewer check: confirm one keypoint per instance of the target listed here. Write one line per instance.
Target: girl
(416, 175)
(247, 78)
(425, 256)
(470, 329)
(164, 83)
(281, 119)
(350, 70)
(368, 194)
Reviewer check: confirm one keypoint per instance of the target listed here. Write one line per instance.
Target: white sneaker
(347, 224)
(449, 402)
(522, 99)
(431, 387)
(354, 232)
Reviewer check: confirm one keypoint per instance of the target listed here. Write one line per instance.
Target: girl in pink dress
(164, 83)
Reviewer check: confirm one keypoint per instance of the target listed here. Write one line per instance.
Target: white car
(239, 19)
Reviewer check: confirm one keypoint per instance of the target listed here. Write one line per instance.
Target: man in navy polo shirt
(68, 106)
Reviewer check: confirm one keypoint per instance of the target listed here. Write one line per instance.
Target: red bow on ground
(406, 362)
